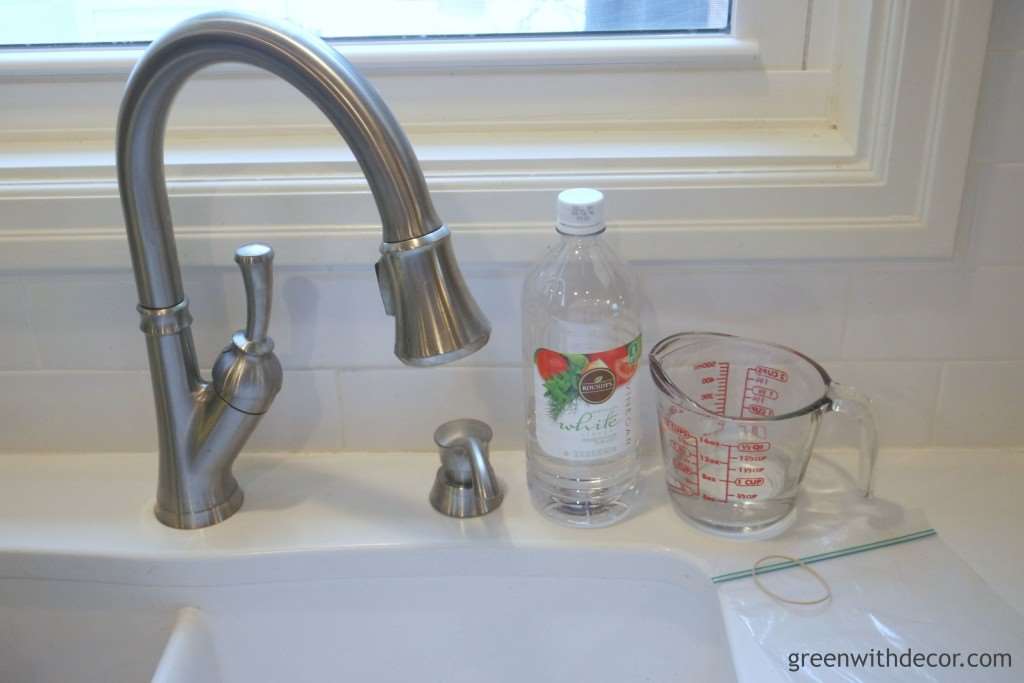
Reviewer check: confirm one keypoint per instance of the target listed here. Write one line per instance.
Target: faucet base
(198, 519)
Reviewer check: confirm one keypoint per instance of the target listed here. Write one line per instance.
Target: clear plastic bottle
(581, 350)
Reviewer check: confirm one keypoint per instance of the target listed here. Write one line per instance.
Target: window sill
(304, 192)
(424, 56)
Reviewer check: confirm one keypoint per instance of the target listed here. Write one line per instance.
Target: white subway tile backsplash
(997, 231)
(997, 135)
(499, 294)
(902, 395)
(305, 416)
(113, 411)
(18, 349)
(88, 321)
(920, 313)
(801, 308)
(1007, 26)
(76, 411)
(326, 319)
(979, 404)
(335, 319)
(400, 409)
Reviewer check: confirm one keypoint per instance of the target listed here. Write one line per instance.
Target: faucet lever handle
(256, 262)
(247, 374)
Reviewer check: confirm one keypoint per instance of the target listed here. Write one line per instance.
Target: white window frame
(848, 141)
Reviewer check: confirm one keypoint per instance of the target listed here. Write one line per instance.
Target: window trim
(375, 57)
(881, 179)
(759, 36)
(422, 82)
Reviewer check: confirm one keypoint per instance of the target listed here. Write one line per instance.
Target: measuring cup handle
(850, 402)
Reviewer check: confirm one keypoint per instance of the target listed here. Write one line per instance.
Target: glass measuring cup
(738, 419)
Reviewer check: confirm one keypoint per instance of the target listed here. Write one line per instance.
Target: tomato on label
(550, 363)
(610, 357)
(624, 370)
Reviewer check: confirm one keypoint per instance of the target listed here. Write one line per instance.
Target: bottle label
(584, 402)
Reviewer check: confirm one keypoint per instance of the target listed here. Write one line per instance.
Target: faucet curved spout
(314, 68)
(202, 426)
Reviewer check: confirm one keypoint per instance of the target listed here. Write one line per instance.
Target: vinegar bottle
(581, 349)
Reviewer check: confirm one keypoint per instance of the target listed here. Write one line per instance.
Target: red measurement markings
(671, 426)
(757, 394)
(760, 411)
(682, 489)
(714, 385)
(722, 393)
(687, 463)
(764, 393)
(728, 471)
(771, 373)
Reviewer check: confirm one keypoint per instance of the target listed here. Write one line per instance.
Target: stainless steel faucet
(203, 425)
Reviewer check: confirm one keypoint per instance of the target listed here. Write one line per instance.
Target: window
(783, 129)
(94, 22)
(600, 62)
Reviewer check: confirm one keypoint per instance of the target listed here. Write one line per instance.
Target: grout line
(339, 370)
(921, 361)
(377, 368)
(844, 318)
(808, 21)
(999, 266)
(965, 239)
(74, 371)
(26, 309)
(933, 413)
(340, 404)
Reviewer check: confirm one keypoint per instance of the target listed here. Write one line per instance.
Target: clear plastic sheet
(916, 597)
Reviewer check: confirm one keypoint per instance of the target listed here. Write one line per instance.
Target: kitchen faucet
(203, 425)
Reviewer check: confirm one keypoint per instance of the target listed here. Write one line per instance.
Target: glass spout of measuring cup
(738, 419)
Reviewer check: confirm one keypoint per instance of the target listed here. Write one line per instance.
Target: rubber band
(796, 562)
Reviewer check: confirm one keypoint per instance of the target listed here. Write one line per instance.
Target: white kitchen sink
(78, 631)
(460, 613)
(338, 569)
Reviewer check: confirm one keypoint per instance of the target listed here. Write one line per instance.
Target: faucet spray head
(436, 318)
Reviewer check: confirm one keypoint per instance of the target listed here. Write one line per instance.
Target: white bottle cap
(580, 212)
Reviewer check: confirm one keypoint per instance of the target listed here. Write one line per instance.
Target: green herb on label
(562, 389)
(633, 354)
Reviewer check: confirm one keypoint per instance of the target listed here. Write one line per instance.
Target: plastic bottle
(581, 350)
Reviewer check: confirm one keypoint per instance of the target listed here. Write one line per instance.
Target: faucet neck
(349, 101)
(202, 427)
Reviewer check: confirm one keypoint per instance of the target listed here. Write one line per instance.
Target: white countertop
(100, 505)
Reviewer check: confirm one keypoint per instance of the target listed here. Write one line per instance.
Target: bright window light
(102, 22)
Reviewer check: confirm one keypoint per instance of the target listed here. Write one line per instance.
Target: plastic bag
(908, 612)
